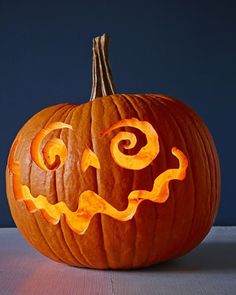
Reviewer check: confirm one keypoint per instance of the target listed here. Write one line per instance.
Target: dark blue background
(186, 49)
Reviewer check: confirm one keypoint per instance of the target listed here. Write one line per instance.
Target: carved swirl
(145, 155)
(54, 153)
(90, 203)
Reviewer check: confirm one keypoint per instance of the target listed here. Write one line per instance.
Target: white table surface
(209, 269)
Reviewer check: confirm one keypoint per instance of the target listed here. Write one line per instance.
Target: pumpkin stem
(102, 84)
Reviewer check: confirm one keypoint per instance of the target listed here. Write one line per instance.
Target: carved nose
(89, 158)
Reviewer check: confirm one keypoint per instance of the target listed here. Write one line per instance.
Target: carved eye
(146, 154)
(89, 203)
(54, 152)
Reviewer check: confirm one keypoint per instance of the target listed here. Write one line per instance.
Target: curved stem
(102, 84)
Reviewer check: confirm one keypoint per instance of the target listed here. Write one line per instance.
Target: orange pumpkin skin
(157, 232)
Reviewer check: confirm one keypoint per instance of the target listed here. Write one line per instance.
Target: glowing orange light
(54, 152)
(90, 203)
(146, 154)
(89, 158)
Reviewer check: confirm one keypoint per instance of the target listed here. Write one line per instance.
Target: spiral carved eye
(146, 154)
(54, 152)
(54, 155)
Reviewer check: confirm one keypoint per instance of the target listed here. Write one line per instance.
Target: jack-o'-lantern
(123, 181)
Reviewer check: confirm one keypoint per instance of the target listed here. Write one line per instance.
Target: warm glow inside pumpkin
(95, 185)
(91, 203)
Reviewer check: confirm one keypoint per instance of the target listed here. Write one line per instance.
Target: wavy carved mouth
(90, 203)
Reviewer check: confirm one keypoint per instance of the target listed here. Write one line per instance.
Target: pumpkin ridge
(154, 98)
(183, 143)
(80, 113)
(160, 99)
(140, 116)
(61, 242)
(203, 151)
(92, 114)
(93, 138)
(104, 218)
(78, 255)
(80, 243)
(61, 222)
(206, 167)
(55, 173)
(146, 100)
(213, 153)
(61, 238)
(29, 181)
(209, 175)
(50, 119)
(184, 242)
(112, 101)
(132, 187)
(212, 177)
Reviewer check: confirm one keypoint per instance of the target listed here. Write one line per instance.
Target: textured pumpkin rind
(158, 232)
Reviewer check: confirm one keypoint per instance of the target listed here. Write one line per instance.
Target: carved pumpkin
(123, 181)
